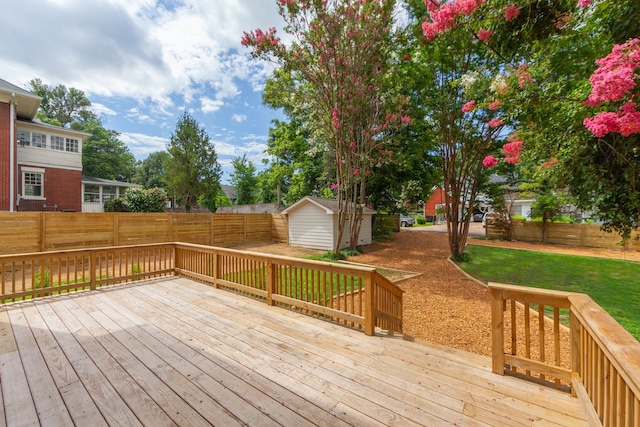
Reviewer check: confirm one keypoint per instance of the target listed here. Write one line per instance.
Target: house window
(24, 137)
(72, 145)
(57, 143)
(108, 193)
(33, 183)
(92, 193)
(38, 140)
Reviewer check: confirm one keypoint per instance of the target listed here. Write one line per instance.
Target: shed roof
(329, 205)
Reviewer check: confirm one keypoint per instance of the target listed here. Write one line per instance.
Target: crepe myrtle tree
(541, 97)
(340, 58)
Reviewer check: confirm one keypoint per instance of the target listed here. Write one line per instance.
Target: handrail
(603, 369)
(350, 294)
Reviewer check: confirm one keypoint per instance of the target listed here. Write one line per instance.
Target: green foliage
(382, 228)
(116, 204)
(421, 220)
(104, 155)
(244, 179)
(138, 199)
(213, 203)
(42, 278)
(150, 171)
(59, 106)
(613, 284)
(192, 169)
(342, 254)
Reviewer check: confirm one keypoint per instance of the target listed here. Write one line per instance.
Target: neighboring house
(433, 204)
(230, 192)
(40, 164)
(313, 223)
(96, 191)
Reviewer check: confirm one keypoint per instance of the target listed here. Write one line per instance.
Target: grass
(613, 284)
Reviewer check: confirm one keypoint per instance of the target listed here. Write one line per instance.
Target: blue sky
(143, 62)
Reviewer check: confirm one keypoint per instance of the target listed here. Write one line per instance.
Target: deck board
(176, 352)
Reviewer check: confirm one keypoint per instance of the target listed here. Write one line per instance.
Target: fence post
(497, 331)
(42, 244)
(116, 229)
(369, 307)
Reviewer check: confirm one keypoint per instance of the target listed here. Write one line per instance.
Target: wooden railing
(352, 295)
(602, 364)
(51, 273)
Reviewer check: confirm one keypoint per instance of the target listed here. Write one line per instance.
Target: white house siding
(311, 227)
(46, 157)
(364, 238)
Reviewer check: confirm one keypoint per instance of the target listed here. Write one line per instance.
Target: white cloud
(142, 145)
(209, 105)
(239, 118)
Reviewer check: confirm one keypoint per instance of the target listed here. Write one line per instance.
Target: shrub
(420, 219)
(115, 205)
(140, 199)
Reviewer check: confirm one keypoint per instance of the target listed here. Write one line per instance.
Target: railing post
(575, 340)
(497, 331)
(216, 269)
(369, 304)
(92, 271)
(271, 281)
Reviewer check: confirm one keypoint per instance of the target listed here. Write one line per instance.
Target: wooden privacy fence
(588, 235)
(351, 295)
(25, 232)
(602, 363)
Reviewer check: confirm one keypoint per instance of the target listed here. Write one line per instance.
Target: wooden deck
(176, 352)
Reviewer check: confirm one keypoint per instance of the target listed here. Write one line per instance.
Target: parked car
(477, 217)
(406, 221)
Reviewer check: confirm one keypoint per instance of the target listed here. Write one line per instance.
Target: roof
(27, 104)
(229, 191)
(102, 181)
(329, 205)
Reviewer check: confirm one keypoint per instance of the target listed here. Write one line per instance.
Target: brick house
(40, 164)
(433, 204)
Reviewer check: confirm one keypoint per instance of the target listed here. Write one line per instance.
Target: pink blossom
(406, 120)
(551, 162)
(352, 144)
(494, 123)
(511, 12)
(490, 162)
(615, 76)
(335, 113)
(406, 58)
(469, 106)
(484, 35)
(356, 172)
(523, 76)
(584, 3)
(511, 151)
(494, 105)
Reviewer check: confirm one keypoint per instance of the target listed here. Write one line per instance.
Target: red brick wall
(5, 159)
(62, 187)
(437, 198)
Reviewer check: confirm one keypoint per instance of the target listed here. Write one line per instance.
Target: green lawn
(613, 284)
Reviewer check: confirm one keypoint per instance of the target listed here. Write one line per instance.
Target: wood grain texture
(173, 351)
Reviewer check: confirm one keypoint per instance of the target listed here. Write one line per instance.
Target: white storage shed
(313, 223)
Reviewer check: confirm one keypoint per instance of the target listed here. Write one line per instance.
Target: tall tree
(104, 155)
(192, 169)
(150, 171)
(339, 60)
(244, 179)
(59, 106)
